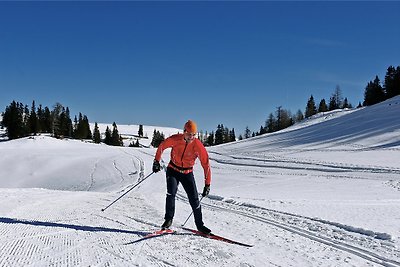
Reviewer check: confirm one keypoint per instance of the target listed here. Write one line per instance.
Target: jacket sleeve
(164, 145)
(205, 163)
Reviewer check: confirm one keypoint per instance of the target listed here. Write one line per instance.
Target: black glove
(206, 190)
(156, 166)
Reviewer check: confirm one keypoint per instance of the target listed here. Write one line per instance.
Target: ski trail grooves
(346, 247)
(297, 164)
(121, 175)
(368, 255)
(92, 181)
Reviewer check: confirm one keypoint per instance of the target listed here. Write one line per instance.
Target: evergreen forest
(21, 120)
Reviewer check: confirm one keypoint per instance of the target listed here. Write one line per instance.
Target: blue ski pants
(189, 185)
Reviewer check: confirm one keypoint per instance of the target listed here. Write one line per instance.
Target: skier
(186, 148)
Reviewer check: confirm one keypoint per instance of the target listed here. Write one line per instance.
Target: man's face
(189, 137)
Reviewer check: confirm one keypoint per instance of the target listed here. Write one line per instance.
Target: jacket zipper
(183, 153)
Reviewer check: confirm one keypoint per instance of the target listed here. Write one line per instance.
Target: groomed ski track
(293, 223)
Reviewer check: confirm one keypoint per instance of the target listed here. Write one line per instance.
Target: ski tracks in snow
(291, 163)
(374, 247)
(120, 169)
(358, 242)
(72, 231)
(68, 231)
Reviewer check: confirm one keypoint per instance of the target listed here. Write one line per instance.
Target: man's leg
(172, 187)
(189, 185)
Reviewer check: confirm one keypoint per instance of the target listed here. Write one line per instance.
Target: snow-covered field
(325, 192)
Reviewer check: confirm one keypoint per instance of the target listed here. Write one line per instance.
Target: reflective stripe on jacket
(184, 154)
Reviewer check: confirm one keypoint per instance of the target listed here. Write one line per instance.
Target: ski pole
(191, 213)
(127, 191)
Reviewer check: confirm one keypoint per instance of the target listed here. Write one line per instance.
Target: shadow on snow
(84, 228)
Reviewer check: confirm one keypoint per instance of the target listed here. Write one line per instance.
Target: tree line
(282, 118)
(21, 121)
(374, 93)
(220, 136)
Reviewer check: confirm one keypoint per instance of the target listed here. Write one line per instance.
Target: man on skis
(186, 148)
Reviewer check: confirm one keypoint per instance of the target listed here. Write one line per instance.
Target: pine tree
(263, 130)
(47, 121)
(311, 109)
(115, 137)
(392, 82)
(247, 132)
(335, 101)
(157, 138)
(389, 85)
(78, 127)
(140, 132)
(68, 127)
(283, 118)
(227, 137)
(232, 135)
(346, 103)
(33, 120)
(373, 93)
(63, 127)
(96, 134)
(278, 119)
(25, 120)
(397, 81)
(286, 119)
(82, 128)
(86, 128)
(270, 124)
(65, 123)
(56, 116)
(210, 139)
(219, 135)
(322, 106)
(13, 120)
(107, 138)
(299, 116)
(75, 128)
(40, 116)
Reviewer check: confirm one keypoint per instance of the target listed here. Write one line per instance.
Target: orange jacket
(184, 154)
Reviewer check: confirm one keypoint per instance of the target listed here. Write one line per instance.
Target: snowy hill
(325, 192)
(129, 133)
(367, 127)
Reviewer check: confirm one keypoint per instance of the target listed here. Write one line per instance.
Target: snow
(130, 133)
(324, 192)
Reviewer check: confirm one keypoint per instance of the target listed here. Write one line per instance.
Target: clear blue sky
(161, 63)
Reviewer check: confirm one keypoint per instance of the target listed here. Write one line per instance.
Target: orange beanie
(190, 127)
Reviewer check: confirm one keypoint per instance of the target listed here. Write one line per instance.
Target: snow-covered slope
(130, 132)
(377, 126)
(325, 192)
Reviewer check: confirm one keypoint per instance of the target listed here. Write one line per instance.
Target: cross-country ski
(153, 234)
(192, 231)
(216, 237)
